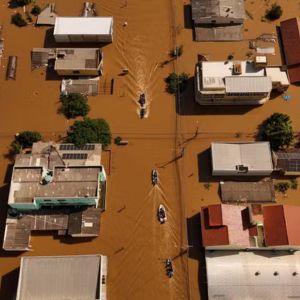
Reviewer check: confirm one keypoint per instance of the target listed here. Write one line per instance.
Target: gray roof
(250, 275)
(47, 15)
(217, 8)
(219, 33)
(82, 86)
(288, 161)
(247, 192)
(251, 84)
(254, 155)
(59, 277)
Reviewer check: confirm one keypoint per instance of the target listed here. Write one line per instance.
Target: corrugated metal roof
(217, 8)
(251, 84)
(83, 25)
(290, 34)
(59, 277)
(252, 275)
(247, 192)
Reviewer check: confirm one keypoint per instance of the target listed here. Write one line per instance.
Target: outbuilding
(83, 29)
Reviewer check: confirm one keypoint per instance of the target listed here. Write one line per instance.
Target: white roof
(83, 25)
(235, 84)
(59, 277)
(244, 284)
(256, 156)
(214, 72)
(277, 75)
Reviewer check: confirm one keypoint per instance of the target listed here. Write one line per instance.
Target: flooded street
(173, 138)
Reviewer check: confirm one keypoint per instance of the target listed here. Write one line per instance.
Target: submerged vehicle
(154, 177)
(169, 268)
(161, 214)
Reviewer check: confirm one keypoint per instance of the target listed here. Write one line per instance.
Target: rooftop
(202, 9)
(247, 192)
(288, 161)
(83, 25)
(253, 155)
(223, 225)
(277, 75)
(70, 172)
(253, 275)
(60, 277)
(82, 86)
(78, 58)
(282, 225)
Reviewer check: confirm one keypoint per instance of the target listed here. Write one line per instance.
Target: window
(76, 72)
(103, 279)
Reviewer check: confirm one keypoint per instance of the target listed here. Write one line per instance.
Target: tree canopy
(18, 20)
(278, 130)
(89, 131)
(27, 138)
(74, 105)
(274, 12)
(176, 82)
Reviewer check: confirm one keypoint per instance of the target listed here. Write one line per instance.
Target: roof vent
(241, 168)
(295, 273)
(47, 176)
(275, 273)
(257, 273)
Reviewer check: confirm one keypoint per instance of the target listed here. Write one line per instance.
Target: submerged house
(290, 35)
(83, 29)
(241, 159)
(57, 187)
(231, 227)
(78, 61)
(237, 82)
(63, 277)
(218, 20)
(287, 162)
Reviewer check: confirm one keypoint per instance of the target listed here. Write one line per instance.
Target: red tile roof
(290, 34)
(223, 225)
(282, 225)
(294, 73)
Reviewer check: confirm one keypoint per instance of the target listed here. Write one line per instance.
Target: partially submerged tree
(74, 105)
(274, 12)
(23, 2)
(25, 139)
(278, 130)
(176, 83)
(18, 20)
(36, 10)
(89, 131)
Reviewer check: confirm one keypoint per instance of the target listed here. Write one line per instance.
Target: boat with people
(169, 268)
(154, 177)
(161, 214)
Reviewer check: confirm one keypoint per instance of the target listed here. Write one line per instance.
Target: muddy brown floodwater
(166, 139)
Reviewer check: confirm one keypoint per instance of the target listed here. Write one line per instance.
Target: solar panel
(67, 147)
(74, 156)
(294, 165)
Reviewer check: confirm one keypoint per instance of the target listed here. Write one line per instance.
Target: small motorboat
(161, 214)
(142, 100)
(169, 268)
(142, 112)
(154, 177)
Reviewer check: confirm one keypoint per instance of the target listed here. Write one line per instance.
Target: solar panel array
(294, 165)
(67, 147)
(74, 156)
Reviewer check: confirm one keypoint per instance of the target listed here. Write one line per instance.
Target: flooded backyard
(173, 138)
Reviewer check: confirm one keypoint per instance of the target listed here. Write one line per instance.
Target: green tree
(89, 131)
(274, 12)
(74, 105)
(176, 82)
(26, 138)
(18, 20)
(278, 130)
(36, 10)
(23, 2)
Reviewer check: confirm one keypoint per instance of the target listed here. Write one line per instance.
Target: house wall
(76, 38)
(236, 173)
(218, 21)
(72, 72)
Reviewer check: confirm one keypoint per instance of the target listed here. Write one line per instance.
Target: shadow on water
(9, 285)
(205, 167)
(188, 22)
(196, 251)
(187, 105)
